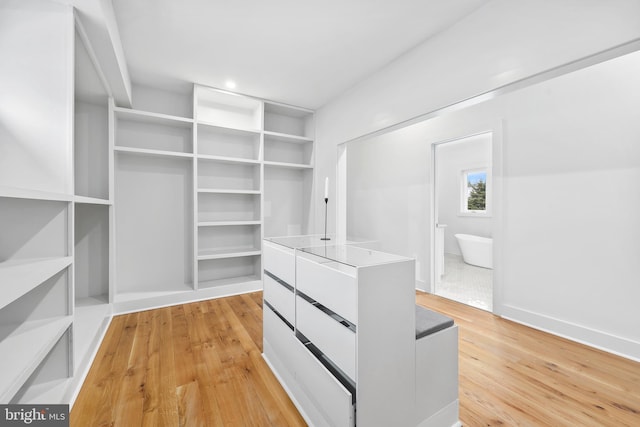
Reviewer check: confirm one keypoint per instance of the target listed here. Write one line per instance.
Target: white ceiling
(300, 52)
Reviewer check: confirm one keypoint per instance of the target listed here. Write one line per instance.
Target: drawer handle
(335, 316)
(337, 373)
(279, 280)
(286, 322)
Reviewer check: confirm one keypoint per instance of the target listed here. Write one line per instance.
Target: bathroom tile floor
(466, 283)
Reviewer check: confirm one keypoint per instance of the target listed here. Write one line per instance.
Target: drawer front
(281, 339)
(325, 400)
(329, 397)
(335, 340)
(334, 289)
(281, 298)
(280, 261)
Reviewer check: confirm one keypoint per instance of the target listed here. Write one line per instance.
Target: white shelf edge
(91, 200)
(22, 276)
(228, 128)
(228, 159)
(301, 111)
(226, 223)
(147, 116)
(224, 191)
(137, 295)
(91, 315)
(22, 193)
(150, 152)
(222, 255)
(288, 165)
(207, 284)
(52, 392)
(25, 348)
(288, 137)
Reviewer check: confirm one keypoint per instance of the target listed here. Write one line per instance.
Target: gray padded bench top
(429, 322)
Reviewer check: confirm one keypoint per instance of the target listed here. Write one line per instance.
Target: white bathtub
(476, 250)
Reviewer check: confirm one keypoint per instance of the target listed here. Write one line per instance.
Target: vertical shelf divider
(196, 211)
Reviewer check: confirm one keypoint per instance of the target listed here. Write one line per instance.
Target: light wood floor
(200, 364)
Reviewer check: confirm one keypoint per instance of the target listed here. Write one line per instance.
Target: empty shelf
(150, 152)
(21, 193)
(35, 340)
(91, 200)
(226, 223)
(227, 253)
(18, 277)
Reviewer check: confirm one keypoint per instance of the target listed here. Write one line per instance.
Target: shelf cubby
(228, 207)
(229, 271)
(225, 109)
(288, 151)
(223, 175)
(228, 241)
(38, 339)
(44, 235)
(91, 150)
(33, 323)
(287, 120)
(230, 143)
(22, 276)
(152, 131)
(91, 252)
(287, 201)
(153, 226)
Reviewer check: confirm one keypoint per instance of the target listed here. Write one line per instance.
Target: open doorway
(463, 225)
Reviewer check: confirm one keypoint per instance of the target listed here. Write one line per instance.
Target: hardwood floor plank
(110, 376)
(240, 323)
(190, 411)
(200, 345)
(185, 364)
(168, 404)
(87, 403)
(200, 364)
(131, 400)
(511, 374)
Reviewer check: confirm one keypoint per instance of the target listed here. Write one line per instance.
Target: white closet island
(340, 335)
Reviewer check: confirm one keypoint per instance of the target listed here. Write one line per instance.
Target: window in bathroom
(474, 190)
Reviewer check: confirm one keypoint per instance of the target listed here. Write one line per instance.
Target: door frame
(497, 218)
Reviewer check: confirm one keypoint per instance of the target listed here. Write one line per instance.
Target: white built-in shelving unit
(203, 175)
(228, 224)
(36, 202)
(92, 209)
(288, 169)
(106, 209)
(153, 162)
(35, 308)
(288, 137)
(55, 206)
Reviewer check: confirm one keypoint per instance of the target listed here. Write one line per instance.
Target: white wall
(567, 229)
(567, 269)
(452, 158)
(499, 43)
(388, 195)
(36, 95)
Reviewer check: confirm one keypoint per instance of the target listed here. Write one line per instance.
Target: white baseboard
(423, 286)
(84, 366)
(170, 299)
(594, 338)
(444, 417)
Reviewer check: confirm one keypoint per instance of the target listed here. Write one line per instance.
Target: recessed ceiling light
(230, 84)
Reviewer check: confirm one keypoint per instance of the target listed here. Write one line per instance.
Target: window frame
(463, 209)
